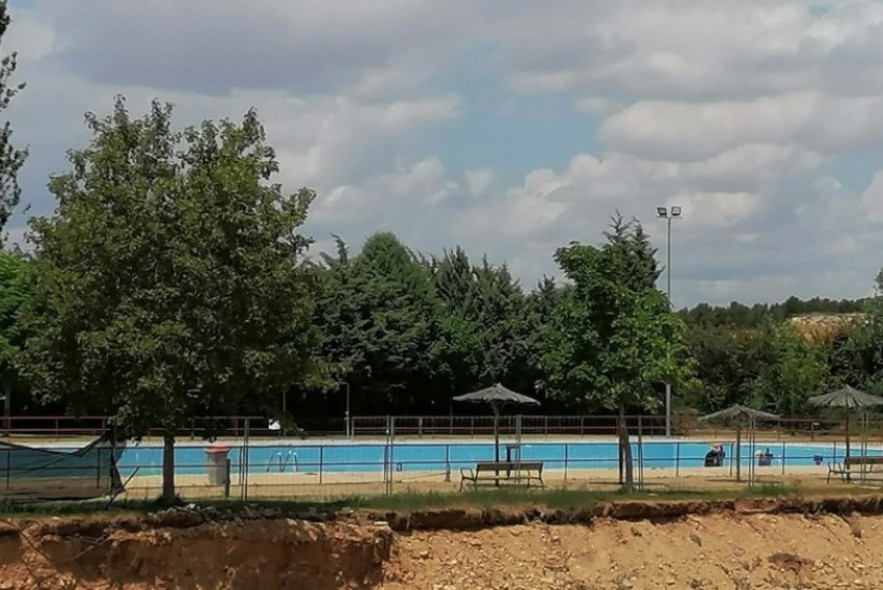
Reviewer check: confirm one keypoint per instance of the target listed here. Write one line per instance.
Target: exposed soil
(715, 545)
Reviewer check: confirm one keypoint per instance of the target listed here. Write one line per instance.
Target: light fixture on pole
(6, 398)
(347, 419)
(668, 214)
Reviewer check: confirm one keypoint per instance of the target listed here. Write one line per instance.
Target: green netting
(28, 473)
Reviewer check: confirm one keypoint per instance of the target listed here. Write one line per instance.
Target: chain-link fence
(254, 457)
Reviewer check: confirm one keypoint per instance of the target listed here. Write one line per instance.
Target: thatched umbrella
(741, 415)
(849, 398)
(497, 396)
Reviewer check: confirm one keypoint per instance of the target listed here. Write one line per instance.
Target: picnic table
(861, 465)
(505, 472)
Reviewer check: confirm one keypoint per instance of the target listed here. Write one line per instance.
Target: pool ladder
(283, 461)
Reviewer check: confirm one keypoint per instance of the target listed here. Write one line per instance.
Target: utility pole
(668, 215)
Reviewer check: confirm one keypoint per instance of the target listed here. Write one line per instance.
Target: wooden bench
(835, 468)
(507, 472)
(865, 466)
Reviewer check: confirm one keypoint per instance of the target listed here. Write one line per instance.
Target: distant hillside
(737, 315)
(822, 327)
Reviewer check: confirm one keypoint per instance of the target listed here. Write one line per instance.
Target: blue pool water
(369, 457)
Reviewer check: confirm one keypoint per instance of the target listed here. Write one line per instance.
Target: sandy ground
(737, 549)
(715, 552)
(285, 485)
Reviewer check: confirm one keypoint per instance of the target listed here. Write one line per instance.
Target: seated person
(715, 456)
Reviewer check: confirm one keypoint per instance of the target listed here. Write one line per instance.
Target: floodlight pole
(7, 411)
(668, 215)
(347, 420)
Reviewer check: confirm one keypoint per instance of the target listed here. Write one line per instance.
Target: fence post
(732, 458)
(388, 454)
(677, 458)
(783, 459)
(244, 459)
(321, 461)
(227, 478)
(8, 466)
(420, 427)
(448, 462)
(566, 459)
(582, 425)
(640, 453)
(546, 426)
(98, 469)
(392, 443)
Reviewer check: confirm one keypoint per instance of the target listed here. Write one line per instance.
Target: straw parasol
(497, 396)
(741, 415)
(849, 398)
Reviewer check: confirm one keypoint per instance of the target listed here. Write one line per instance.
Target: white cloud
(595, 105)
(420, 183)
(688, 50)
(570, 201)
(717, 209)
(872, 199)
(479, 181)
(522, 212)
(742, 113)
(687, 131)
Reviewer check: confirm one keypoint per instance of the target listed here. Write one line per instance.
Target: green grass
(554, 499)
(411, 501)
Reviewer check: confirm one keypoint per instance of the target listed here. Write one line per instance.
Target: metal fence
(254, 458)
(431, 427)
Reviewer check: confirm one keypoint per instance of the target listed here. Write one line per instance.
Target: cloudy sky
(513, 126)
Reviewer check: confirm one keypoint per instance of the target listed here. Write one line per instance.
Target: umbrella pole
(865, 433)
(752, 466)
(496, 440)
(738, 452)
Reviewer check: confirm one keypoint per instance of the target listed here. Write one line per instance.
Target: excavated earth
(832, 543)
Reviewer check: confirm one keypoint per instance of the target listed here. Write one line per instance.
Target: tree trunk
(168, 469)
(625, 453)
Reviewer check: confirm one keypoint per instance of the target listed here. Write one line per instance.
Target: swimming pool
(439, 457)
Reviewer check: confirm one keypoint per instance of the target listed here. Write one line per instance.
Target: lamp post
(668, 214)
(6, 398)
(346, 416)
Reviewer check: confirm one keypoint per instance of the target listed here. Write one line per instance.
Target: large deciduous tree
(613, 340)
(171, 270)
(789, 370)
(17, 303)
(11, 159)
(859, 359)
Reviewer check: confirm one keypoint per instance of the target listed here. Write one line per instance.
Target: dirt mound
(825, 328)
(719, 551)
(824, 543)
(253, 555)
